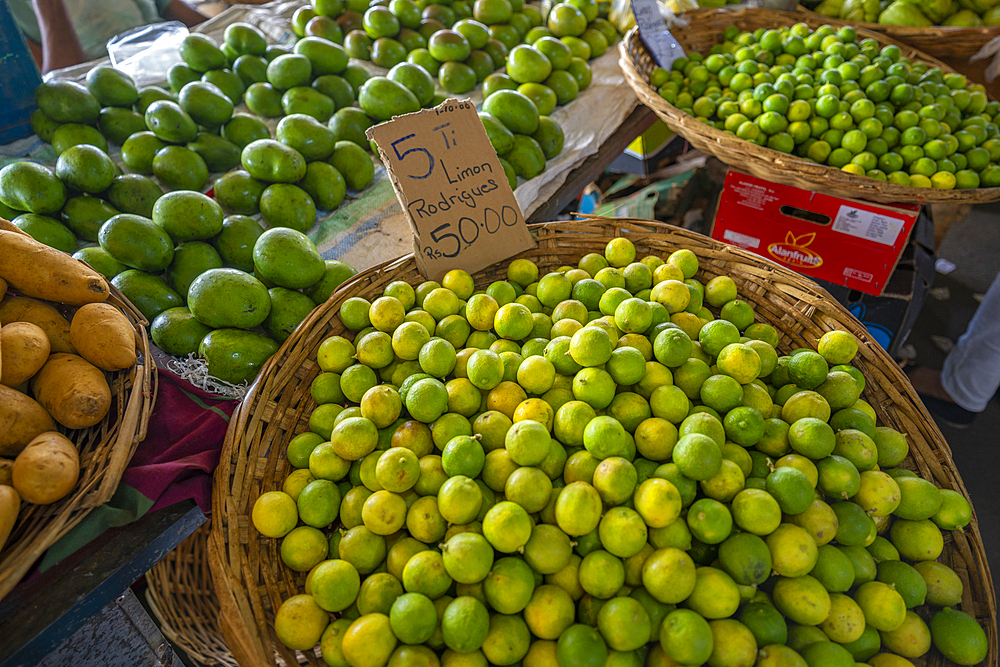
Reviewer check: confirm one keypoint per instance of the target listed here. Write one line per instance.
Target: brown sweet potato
(10, 503)
(8, 226)
(103, 336)
(72, 390)
(44, 315)
(47, 469)
(21, 419)
(25, 348)
(35, 269)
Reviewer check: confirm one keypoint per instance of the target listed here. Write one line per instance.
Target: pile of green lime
(609, 464)
(825, 96)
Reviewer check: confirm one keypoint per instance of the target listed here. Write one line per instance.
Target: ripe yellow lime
(299, 622)
(369, 641)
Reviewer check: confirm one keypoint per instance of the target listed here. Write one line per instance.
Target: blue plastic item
(18, 79)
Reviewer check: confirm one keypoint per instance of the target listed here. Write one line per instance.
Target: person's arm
(60, 44)
(179, 11)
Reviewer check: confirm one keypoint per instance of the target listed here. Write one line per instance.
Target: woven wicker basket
(704, 30)
(180, 593)
(940, 41)
(105, 450)
(250, 579)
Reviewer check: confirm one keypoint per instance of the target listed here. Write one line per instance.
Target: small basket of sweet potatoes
(77, 385)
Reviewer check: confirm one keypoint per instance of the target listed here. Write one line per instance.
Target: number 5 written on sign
(402, 156)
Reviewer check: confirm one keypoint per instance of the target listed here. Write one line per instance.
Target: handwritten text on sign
(452, 188)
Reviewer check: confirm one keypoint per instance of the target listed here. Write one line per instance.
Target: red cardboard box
(843, 241)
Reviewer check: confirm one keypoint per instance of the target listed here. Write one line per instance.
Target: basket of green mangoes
(951, 29)
(629, 446)
(850, 112)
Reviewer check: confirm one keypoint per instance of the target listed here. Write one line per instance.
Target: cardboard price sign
(452, 188)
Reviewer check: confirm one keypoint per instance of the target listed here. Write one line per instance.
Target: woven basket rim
(105, 451)
(255, 442)
(766, 162)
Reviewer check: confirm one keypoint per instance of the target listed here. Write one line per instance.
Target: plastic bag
(146, 53)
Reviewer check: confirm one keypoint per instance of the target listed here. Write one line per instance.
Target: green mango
(85, 215)
(527, 157)
(549, 136)
(219, 154)
(134, 193)
(73, 134)
(228, 82)
(354, 164)
(324, 56)
(334, 274)
(190, 261)
(112, 87)
(100, 261)
(205, 103)
(498, 134)
(903, 13)
(47, 230)
(179, 76)
(245, 39)
(176, 332)
(383, 98)
(251, 70)
(349, 124)
(43, 126)
(228, 298)
(117, 124)
(188, 216)
(307, 100)
(306, 135)
(230, 53)
(273, 162)
(138, 151)
(168, 121)
(287, 205)
(289, 70)
(239, 192)
(180, 168)
(67, 102)
(26, 186)
(264, 100)
(416, 79)
(275, 50)
(243, 129)
(336, 88)
(150, 94)
(356, 75)
(288, 309)
(235, 355)
(517, 113)
(324, 184)
(137, 242)
(510, 173)
(236, 241)
(287, 258)
(201, 54)
(148, 292)
(85, 168)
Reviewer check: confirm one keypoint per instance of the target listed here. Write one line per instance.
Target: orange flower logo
(795, 252)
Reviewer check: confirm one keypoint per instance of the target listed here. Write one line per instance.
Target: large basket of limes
(361, 580)
(940, 41)
(872, 142)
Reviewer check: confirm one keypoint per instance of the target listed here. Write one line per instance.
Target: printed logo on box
(794, 251)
